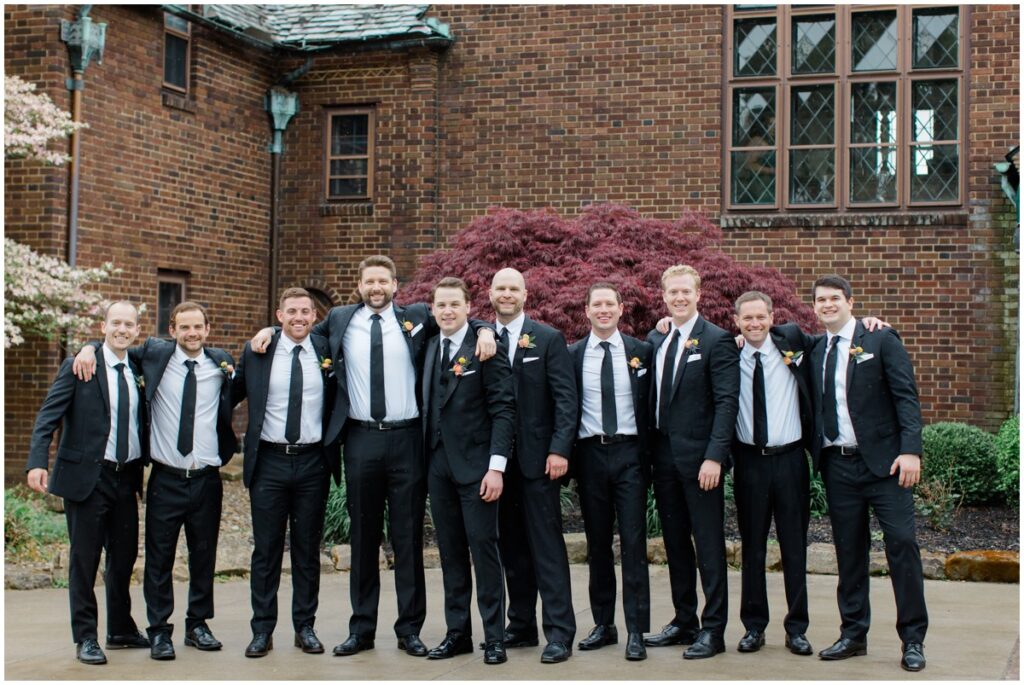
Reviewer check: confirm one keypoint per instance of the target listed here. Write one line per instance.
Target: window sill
(177, 101)
(878, 219)
(342, 208)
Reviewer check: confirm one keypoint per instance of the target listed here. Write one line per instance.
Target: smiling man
(188, 387)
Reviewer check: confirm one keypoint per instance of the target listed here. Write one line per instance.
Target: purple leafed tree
(560, 258)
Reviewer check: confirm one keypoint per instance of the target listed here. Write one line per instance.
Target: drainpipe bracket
(74, 84)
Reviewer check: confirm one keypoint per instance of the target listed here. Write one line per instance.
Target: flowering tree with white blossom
(44, 296)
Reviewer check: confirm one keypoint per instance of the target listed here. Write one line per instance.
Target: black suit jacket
(705, 398)
(152, 357)
(639, 380)
(881, 396)
(547, 403)
(252, 381)
(478, 409)
(84, 409)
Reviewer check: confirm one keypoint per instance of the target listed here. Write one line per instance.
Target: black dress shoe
(555, 653)
(88, 652)
(635, 650)
(844, 648)
(798, 644)
(413, 645)
(202, 639)
(752, 641)
(518, 638)
(671, 635)
(599, 637)
(353, 645)
(161, 648)
(913, 657)
(705, 646)
(453, 644)
(494, 653)
(136, 641)
(307, 640)
(260, 645)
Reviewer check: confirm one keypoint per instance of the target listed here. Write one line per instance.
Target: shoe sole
(163, 657)
(495, 662)
(800, 653)
(859, 652)
(703, 656)
(590, 648)
(91, 662)
(351, 653)
(636, 657)
(560, 660)
(116, 646)
(912, 670)
(449, 656)
(201, 648)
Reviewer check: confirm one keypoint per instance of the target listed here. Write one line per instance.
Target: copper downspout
(74, 168)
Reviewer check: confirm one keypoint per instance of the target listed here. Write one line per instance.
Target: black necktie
(446, 361)
(609, 418)
(378, 404)
(293, 425)
(123, 418)
(760, 405)
(503, 336)
(829, 406)
(186, 427)
(668, 371)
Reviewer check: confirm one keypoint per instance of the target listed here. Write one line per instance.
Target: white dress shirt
(684, 334)
(846, 437)
(277, 393)
(166, 413)
(134, 448)
(592, 421)
(515, 330)
(782, 396)
(399, 374)
(498, 461)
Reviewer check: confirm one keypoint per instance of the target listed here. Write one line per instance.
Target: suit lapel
(629, 347)
(399, 316)
(101, 380)
(858, 337)
(465, 350)
(152, 383)
(578, 356)
(430, 361)
(268, 360)
(698, 329)
(520, 352)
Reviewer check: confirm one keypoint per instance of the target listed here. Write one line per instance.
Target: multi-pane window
(349, 154)
(841, 107)
(170, 293)
(177, 36)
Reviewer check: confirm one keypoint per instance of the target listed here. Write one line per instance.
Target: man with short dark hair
(98, 472)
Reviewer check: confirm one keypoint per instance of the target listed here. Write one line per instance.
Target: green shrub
(819, 501)
(336, 521)
(963, 459)
(29, 526)
(653, 519)
(1008, 459)
(936, 501)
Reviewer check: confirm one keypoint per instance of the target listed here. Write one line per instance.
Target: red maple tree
(560, 258)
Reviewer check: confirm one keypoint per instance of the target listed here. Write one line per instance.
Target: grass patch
(30, 527)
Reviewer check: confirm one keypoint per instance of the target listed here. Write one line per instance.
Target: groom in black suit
(287, 466)
(468, 427)
(98, 472)
(868, 447)
(694, 402)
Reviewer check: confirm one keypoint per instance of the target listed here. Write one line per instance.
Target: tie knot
(447, 342)
(191, 364)
(757, 356)
(375, 317)
(606, 345)
(675, 335)
(119, 367)
(296, 350)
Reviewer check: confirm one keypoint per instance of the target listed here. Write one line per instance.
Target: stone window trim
(845, 220)
(180, 29)
(766, 77)
(349, 161)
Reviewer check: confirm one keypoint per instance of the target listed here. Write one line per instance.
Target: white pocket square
(864, 357)
(798, 361)
(641, 372)
(417, 329)
(693, 358)
(467, 373)
(527, 360)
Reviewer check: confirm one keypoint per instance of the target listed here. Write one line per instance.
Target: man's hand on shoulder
(486, 347)
(260, 341)
(873, 323)
(909, 466)
(84, 365)
(664, 325)
(492, 485)
(37, 479)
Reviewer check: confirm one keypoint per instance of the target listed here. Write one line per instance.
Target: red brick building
(858, 140)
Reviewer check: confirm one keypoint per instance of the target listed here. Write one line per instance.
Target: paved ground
(973, 635)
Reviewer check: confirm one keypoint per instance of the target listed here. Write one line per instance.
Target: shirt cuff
(498, 463)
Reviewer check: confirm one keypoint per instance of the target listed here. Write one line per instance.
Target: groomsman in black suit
(868, 446)
(287, 466)
(188, 388)
(772, 479)
(468, 424)
(532, 546)
(610, 463)
(377, 348)
(98, 472)
(694, 400)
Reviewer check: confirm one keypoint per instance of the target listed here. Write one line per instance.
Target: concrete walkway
(973, 635)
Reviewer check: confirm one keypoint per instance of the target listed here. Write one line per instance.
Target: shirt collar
(111, 357)
(387, 315)
(514, 326)
(179, 357)
(766, 347)
(615, 339)
(290, 344)
(846, 332)
(457, 337)
(686, 328)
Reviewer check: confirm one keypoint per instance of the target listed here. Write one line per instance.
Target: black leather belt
(386, 425)
(609, 439)
(841, 451)
(184, 473)
(282, 448)
(771, 451)
(118, 466)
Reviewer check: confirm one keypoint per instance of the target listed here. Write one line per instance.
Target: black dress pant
(686, 510)
(533, 551)
(174, 501)
(851, 488)
(611, 486)
(106, 520)
(766, 487)
(287, 491)
(465, 524)
(386, 468)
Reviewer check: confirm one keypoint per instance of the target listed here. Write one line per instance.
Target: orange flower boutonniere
(526, 341)
(692, 344)
(407, 326)
(227, 369)
(791, 357)
(636, 364)
(857, 353)
(326, 364)
(460, 366)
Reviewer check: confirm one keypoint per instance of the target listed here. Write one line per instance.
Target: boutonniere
(692, 344)
(858, 354)
(326, 364)
(407, 325)
(227, 369)
(140, 382)
(791, 357)
(636, 364)
(460, 366)
(527, 341)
